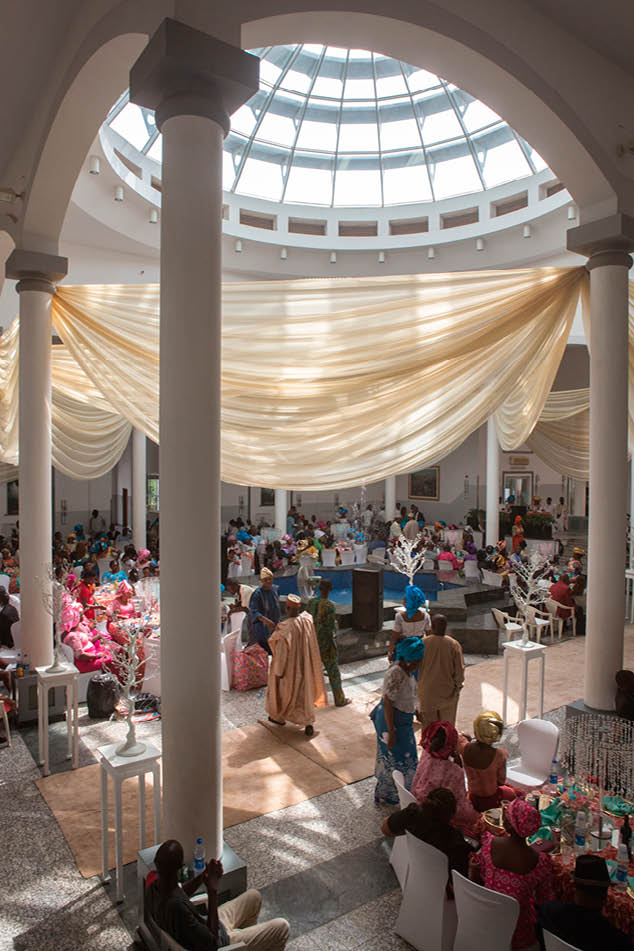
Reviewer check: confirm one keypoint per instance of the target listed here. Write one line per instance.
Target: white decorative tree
(527, 584)
(126, 657)
(405, 557)
(52, 591)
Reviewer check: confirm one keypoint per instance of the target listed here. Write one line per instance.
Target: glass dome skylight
(342, 127)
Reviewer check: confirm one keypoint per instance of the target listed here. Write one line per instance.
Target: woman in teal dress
(393, 719)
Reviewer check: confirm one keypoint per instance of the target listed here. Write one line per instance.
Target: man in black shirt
(236, 920)
(580, 923)
(8, 617)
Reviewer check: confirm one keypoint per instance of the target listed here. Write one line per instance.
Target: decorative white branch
(52, 592)
(405, 558)
(525, 587)
(127, 659)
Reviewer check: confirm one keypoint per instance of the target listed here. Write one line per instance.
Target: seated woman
(484, 766)
(393, 719)
(122, 608)
(439, 765)
(510, 866)
(115, 574)
(432, 821)
(85, 591)
(448, 555)
(412, 620)
(90, 648)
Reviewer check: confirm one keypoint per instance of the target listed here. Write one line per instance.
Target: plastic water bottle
(553, 779)
(25, 662)
(622, 867)
(580, 832)
(199, 857)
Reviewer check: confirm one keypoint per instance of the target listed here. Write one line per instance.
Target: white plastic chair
(445, 567)
(399, 856)
(538, 741)
(378, 553)
(347, 557)
(428, 565)
(486, 919)
(560, 621)
(360, 554)
(246, 564)
(328, 557)
(507, 625)
(537, 621)
(553, 943)
(492, 578)
(471, 569)
(236, 620)
(228, 646)
(4, 581)
(427, 920)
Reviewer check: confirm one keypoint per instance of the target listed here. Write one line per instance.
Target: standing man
(325, 621)
(441, 675)
(296, 682)
(264, 609)
(96, 523)
(411, 527)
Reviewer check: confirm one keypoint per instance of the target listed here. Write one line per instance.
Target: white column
(36, 274)
(390, 498)
(631, 561)
(493, 484)
(221, 78)
(608, 475)
(139, 489)
(281, 511)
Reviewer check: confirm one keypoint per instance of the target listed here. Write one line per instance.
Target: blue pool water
(393, 585)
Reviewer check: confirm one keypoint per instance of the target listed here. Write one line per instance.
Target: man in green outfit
(325, 619)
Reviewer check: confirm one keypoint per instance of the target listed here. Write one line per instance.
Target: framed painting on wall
(267, 497)
(425, 484)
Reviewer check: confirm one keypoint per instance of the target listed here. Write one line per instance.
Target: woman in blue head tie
(412, 620)
(393, 719)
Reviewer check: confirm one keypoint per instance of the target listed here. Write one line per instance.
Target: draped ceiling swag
(325, 383)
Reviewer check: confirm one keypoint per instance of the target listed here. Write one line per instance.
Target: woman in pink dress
(122, 608)
(510, 866)
(439, 766)
(89, 653)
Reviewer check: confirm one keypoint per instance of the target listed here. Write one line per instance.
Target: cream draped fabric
(564, 444)
(88, 438)
(325, 383)
(330, 383)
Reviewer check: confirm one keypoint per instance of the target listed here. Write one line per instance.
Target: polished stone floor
(322, 863)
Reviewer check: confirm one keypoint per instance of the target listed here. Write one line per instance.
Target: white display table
(120, 768)
(66, 677)
(525, 652)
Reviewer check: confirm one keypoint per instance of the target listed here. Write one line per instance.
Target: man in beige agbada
(296, 680)
(440, 675)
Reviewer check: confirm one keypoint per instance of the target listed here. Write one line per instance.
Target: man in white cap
(296, 680)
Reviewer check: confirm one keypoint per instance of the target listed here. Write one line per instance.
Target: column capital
(606, 241)
(183, 71)
(35, 270)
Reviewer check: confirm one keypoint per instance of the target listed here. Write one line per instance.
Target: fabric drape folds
(325, 383)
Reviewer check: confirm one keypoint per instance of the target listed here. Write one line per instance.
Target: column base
(579, 708)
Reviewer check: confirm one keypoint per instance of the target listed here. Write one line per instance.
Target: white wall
(81, 498)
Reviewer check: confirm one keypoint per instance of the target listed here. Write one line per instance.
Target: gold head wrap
(293, 598)
(265, 573)
(488, 727)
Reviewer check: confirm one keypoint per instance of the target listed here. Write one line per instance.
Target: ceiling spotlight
(431, 253)
(479, 244)
(9, 194)
(526, 231)
(238, 245)
(94, 164)
(153, 216)
(283, 254)
(118, 193)
(333, 257)
(381, 257)
(572, 213)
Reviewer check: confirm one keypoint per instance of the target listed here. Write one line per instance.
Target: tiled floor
(322, 863)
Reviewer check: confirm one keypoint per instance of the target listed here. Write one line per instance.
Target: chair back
(347, 557)
(405, 797)
(360, 554)
(538, 741)
(230, 644)
(445, 566)
(426, 919)
(551, 607)
(328, 557)
(16, 634)
(428, 565)
(553, 943)
(379, 553)
(486, 919)
(471, 569)
(4, 581)
(498, 617)
(246, 563)
(492, 578)
(237, 620)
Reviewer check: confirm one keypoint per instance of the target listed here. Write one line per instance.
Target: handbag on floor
(250, 668)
